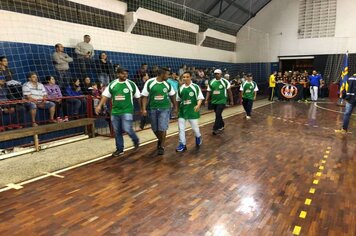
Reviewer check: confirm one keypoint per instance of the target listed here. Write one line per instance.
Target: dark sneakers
(136, 147)
(160, 151)
(118, 153)
(198, 141)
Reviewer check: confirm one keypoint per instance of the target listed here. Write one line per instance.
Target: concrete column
(201, 36)
(130, 21)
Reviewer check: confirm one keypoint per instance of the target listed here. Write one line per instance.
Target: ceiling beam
(242, 8)
(212, 6)
(222, 11)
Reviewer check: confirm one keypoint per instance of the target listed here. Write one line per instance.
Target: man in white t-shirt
(36, 95)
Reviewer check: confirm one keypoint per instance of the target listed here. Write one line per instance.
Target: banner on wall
(289, 91)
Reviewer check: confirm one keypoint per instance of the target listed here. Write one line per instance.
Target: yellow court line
(318, 174)
(296, 230)
(312, 190)
(315, 181)
(303, 214)
(307, 201)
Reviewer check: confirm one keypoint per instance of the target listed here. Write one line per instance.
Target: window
(317, 18)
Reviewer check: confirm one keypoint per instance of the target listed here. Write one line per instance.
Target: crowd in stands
(63, 95)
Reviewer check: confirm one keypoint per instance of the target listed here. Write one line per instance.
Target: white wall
(44, 31)
(275, 33)
(107, 5)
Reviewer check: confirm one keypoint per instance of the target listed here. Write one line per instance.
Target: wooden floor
(260, 177)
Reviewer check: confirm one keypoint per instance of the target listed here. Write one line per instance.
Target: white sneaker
(248, 117)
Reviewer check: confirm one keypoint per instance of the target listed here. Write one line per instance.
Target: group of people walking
(156, 99)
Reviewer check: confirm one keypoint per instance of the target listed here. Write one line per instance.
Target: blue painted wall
(24, 58)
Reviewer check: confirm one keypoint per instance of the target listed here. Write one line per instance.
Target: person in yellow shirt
(272, 85)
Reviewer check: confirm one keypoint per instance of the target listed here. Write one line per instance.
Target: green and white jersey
(248, 89)
(158, 93)
(188, 97)
(122, 94)
(218, 90)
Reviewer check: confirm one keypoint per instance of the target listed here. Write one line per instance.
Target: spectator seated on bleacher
(77, 102)
(55, 95)
(8, 116)
(86, 86)
(36, 96)
(4, 69)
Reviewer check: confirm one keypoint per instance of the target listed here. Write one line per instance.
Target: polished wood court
(259, 177)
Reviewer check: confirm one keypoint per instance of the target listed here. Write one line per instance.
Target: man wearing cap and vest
(159, 92)
(122, 92)
(190, 98)
(350, 96)
(218, 90)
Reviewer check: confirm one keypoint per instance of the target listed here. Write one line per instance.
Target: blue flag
(345, 70)
(344, 74)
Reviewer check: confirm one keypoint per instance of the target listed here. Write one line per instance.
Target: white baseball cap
(217, 71)
(226, 76)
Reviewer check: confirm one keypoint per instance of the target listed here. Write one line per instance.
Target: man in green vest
(218, 90)
(249, 92)
(190, 98)
(159, 93)
(121, 92)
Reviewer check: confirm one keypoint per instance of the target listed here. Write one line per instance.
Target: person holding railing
(36, 96)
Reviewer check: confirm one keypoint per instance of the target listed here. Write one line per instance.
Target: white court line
(330, 109)
(55, 173)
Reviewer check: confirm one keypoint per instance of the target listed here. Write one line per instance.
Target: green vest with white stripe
(189, 99)
(248, 90)
(158, 94)
(122, 94)
(218, 91)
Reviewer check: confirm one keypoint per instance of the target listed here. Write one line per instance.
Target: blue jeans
(348, 112)
(123, 123)
(32, 105)
(104, 79)
(159, 119)
(64, 78)
(76, 106)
